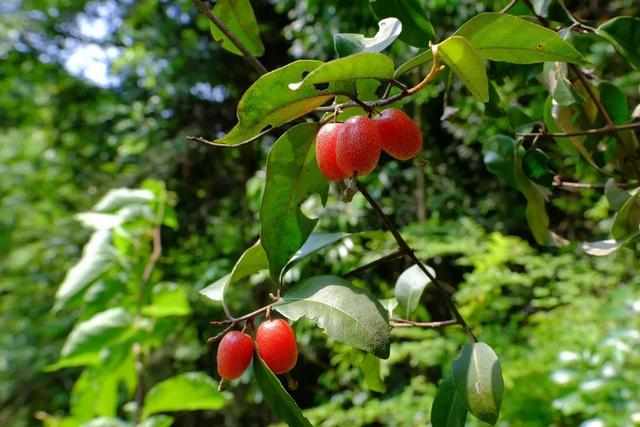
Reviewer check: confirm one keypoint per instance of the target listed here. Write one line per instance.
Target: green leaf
(168, 299)
(477, 377)
(499, 157)
(105, 422)
(250, 262)
(370, 367)
(98, 256)
(359, 66)
(561, 89)
(447, 409)
(157, 421)
(277, 398)
(292, 176)
(270, 103)
(420, 59)
(417, 30)
(627, 220)
(535, 164)
(347, 44)
(91, 336)
(536, 213)
(346, 313)
(120, 197)
(623, 33)
(389, 305)
(615, 195)
(238, 17)
(191, 391)
(315, 242)
(409, 287)
(601, 247)
(463, 60)
(96, 391)
(506, 38)
(614, 102)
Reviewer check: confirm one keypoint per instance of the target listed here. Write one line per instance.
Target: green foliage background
(565, 325)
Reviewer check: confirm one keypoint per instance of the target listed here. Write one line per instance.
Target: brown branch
(404, 247)
(372, 264)
(596, 131)
(403, 323)
(252, 60)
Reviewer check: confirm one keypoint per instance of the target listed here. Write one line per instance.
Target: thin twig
(404, 247)
(236, 320)
(403, 323)
(252, 60)
(596, 131)
(393, 255)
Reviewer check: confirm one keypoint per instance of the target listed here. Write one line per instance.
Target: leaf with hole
(416, 28)
(292, 177)
(447, 409)
(238, 17)
(277, 398)
(270, 103)
(250, 262)
(478, 382)
(346, 313)
(623, 32)
(507, 38)
(348, 44)
(409, 288)
(359, 66)
(191, 391)
(465, 62)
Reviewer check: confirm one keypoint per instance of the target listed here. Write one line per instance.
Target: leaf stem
(408, 251)
(252, 60)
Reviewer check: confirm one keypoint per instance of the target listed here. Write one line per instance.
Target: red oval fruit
(234, 354)
(358, 146)
(399, 135)
(277, 345)
(326, 152)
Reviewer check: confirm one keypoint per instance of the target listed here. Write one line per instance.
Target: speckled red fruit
(399, 135)
(277, 345)
(234, 354)
(358, 146)
(326, 152)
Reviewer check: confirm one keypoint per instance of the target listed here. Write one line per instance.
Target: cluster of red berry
(353, 148)
(276, 344)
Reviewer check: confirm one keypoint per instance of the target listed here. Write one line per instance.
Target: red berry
(234, 354)
(358, 146)
(326, 152)
(399, 135)
(277, 345)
